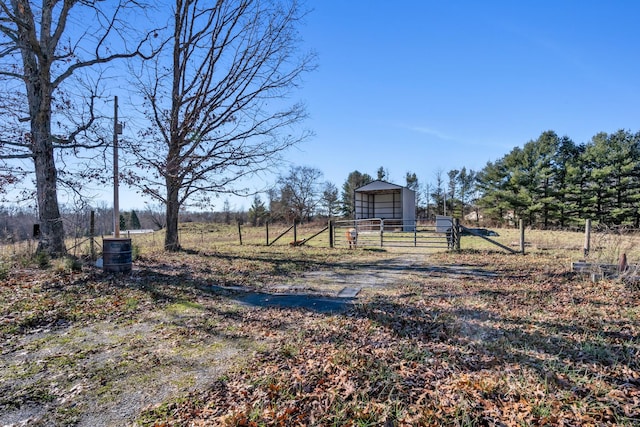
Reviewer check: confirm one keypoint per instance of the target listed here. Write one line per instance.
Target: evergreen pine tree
(135, 221)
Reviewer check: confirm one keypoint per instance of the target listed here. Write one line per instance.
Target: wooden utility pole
(116, 205)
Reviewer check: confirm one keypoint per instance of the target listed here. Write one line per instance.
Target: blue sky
(422, 86)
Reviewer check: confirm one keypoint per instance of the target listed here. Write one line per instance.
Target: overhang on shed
(381, 199)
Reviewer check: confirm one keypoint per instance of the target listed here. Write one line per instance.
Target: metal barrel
(116, 255)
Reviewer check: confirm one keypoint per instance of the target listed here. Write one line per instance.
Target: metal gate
(378, 232)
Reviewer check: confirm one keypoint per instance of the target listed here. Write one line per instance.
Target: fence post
(295, 232)
(331, 242)
(587, 237)
(521, 224)
(456, 234)
(92, 233)
(266, 224)
(240, 232)
(381, 232)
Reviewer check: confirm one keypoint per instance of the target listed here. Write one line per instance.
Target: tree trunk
(171, 239)
(51, 227)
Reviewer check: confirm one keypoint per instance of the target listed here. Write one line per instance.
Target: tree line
(548, 182)
(302, 195)
(554, 182)
(17, 224)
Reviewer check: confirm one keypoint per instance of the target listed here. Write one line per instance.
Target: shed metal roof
(377, 186)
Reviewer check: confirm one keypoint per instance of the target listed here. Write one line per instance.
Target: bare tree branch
(37, 52)
(218, 113)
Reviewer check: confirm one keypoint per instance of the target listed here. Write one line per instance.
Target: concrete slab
(349, 292)
(320, 304)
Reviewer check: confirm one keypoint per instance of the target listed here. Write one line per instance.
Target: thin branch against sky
(466, 80)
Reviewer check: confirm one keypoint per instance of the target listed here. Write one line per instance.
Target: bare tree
(155, 215)
(42, 47)
(438, 194)
(216, 102)
(300, 192)
(427, 189)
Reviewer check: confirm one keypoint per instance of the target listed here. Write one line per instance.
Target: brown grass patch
(479, 337)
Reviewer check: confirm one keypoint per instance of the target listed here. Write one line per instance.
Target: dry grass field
(479, 337)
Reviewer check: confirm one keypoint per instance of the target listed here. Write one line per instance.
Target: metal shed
(381, 199)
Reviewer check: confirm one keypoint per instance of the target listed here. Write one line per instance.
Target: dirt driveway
(96, 352)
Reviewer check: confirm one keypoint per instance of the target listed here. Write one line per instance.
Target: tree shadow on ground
(538, 345)
(507, 338)
(472, 337)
